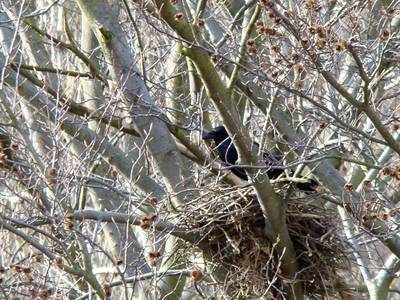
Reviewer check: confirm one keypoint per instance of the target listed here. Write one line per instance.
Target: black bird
(228, 154)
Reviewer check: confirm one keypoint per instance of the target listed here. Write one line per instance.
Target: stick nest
(233, 224)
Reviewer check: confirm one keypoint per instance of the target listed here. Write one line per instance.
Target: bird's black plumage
(228, 154)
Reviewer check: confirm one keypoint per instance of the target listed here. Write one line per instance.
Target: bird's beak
(208, 135)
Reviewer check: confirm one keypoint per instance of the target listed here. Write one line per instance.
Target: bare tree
(108, 191)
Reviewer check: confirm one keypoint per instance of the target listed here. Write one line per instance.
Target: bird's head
(218, 134)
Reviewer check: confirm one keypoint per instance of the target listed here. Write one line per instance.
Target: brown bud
(151, 216)
(275, 48)
(338, 47)
(196, 275)
(178, 16)
(267, 3)
(270, 31)
(321, 43)
(52, 171)
(344, 44)
(392, 213)
(383, 216)
(250, 43)
(320, 31)
(69, 217)
(385, 34)
(312, 29)
(317, 7)
(295, 57)
(214, 58)
(144, 223)
(43, 293)
(387, 171)
(17, 268)
(298, 84)
(304, 41)
(58, 262)
(14, 146)
(396, 126)
(118, 261)
(312, 55)
(367, 184)
(107, 290)
(323, 125)
(51, 181)
(390, 10)
(69, 225)
(348, 187)
(154, 254)
(260, 29)
(200, 22)
(153, 258)
(252, 50)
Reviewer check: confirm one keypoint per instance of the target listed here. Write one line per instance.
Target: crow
(227, 153)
